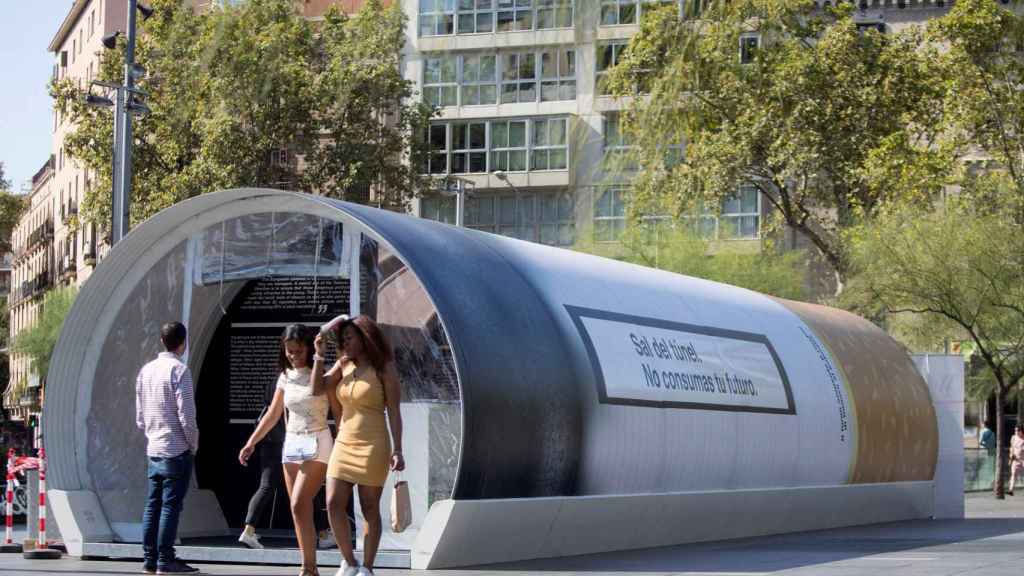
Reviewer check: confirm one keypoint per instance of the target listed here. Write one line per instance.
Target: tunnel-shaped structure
(549, 396)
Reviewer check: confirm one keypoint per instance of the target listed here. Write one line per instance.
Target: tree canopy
(11, 209)
(957, 266)
(827, 119)
(254, 94)
(37, 342)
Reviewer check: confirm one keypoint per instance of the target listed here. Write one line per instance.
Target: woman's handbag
(401, 507)
(299, 447)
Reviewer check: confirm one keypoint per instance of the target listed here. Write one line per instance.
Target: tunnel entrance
(236, 282)
(239, 366)
(236, 359)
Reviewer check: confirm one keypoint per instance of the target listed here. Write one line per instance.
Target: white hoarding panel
(651, 362)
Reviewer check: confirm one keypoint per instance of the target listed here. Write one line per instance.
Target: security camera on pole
(127, 102)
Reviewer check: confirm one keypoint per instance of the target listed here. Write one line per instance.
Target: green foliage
(984, 103)
(958, 270)
(829, 122)
(240, 94)
(11, 209)
(961, 268)
(676, 248)
(367, 114)
(5, 184)
(38, 341)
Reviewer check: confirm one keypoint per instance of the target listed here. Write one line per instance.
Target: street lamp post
(126, 102)
(123, 190)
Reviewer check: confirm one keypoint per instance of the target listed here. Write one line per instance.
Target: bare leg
(307, 481)
(339, 493)
(1013, 475)
(369, 503)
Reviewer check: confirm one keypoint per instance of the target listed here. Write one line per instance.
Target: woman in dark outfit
(269, 451)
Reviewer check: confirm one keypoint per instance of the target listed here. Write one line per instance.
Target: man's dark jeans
(168, 483)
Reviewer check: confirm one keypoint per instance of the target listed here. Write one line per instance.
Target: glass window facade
(741, 215)
(440, 83)
(558, 75)
(479, 80)
(739, 218)
(518, 77)
(510, 145)
(547, 218)
(445, 17)
(609, 215)
(608, 55)
(618, 147)
(544, 75)
(616, 12)
(437, 17)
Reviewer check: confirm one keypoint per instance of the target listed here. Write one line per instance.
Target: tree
(984, 102)
(38, 341)
(959, 268)
(827, 120)
(240, 95)
(11, 209)
(371, 128)
(677, 248)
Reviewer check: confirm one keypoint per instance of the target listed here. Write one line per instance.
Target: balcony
(67, 266)
(89, 254)
(68, 212)
(40, 236)
(31, 288)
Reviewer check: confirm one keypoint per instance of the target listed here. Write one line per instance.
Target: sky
(26, 28)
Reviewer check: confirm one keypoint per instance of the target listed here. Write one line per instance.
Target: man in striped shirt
(165, 410)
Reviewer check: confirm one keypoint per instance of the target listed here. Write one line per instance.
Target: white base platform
(459, 533)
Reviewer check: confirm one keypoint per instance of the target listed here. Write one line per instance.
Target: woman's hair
(377, 348)
(296, 333)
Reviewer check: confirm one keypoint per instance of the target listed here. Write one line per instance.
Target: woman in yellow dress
(364, 382)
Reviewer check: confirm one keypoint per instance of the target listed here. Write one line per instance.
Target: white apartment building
(518, 85)
(77, 48)
(31, 276)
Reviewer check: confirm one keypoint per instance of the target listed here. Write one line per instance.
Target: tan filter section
(897, 434)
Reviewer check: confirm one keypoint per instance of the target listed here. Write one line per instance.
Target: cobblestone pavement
(989, 541)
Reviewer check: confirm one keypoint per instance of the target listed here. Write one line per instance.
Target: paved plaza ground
(989, 541)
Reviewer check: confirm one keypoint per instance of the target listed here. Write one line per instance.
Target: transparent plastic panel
(431, 399)
(116, 447)
(272, 244)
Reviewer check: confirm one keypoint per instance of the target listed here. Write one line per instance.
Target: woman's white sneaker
(250, 540)
(346, 570)
(364, 571)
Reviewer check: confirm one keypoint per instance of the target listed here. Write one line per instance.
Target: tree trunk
(1000, 485)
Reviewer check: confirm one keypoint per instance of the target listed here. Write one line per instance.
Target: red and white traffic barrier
(15, 466)
(42, 499)
(9, 521)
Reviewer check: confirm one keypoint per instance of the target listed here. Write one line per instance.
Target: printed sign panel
(650, 362)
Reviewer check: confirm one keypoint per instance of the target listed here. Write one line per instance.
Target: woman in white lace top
(308, 441)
